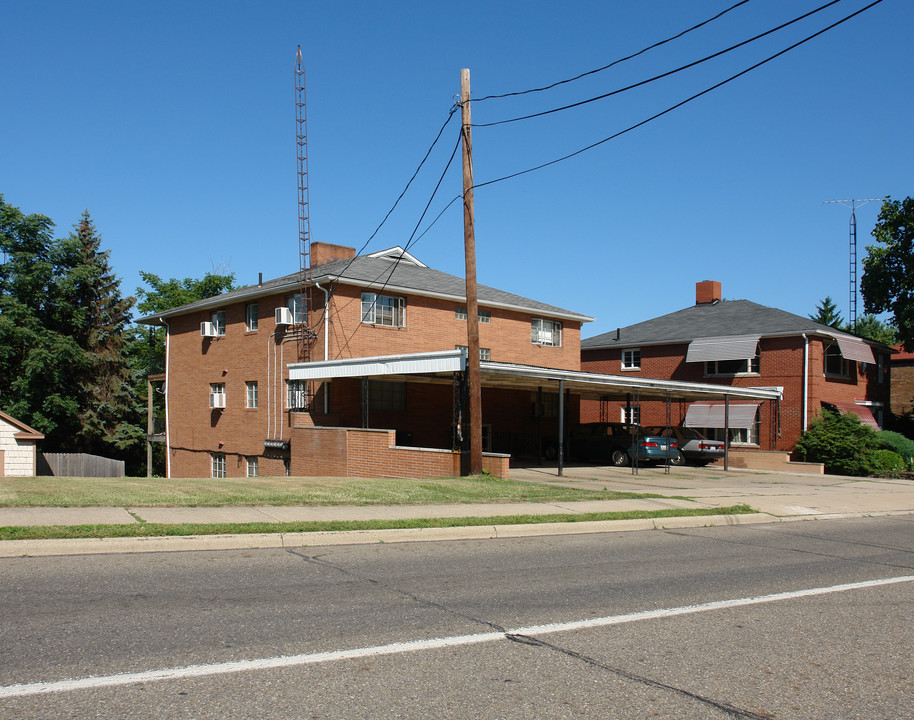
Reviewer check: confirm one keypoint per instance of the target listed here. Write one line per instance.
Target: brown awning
(854, 349)
(711, 415)
(729, 347)
(861, 411)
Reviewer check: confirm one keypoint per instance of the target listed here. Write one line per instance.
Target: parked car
(613, 443)
(694, 448)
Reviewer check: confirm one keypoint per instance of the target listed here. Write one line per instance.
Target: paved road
(482, 610)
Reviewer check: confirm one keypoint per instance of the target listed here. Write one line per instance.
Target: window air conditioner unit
(216, 400)
(207, 329)
(283, 316)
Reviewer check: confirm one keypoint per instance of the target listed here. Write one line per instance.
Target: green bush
(841, 442)
(886, 463)
(897, 442)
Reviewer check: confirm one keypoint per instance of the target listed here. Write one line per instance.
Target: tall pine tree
(109, 414)
(63, 367)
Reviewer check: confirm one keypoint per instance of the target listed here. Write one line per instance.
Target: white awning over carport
(711, 415)
(411, 364)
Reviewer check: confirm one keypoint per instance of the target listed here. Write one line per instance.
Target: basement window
(218, 465)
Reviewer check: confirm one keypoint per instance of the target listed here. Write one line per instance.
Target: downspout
(326, 340)
(805, 379)
(167, 424)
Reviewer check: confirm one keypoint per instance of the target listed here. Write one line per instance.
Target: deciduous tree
(888, 268)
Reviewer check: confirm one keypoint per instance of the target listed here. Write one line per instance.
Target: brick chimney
(707, 291)
(323, 253)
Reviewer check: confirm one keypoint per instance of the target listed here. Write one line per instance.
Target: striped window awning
(854, 349)
(861, 411)
(730, 347)
(711, 415)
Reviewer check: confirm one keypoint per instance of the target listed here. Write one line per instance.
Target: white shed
(18, 447)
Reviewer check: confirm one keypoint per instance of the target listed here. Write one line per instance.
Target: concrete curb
(100, 546)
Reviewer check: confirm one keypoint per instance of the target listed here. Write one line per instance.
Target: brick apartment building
(739, 343)
(233, 409)
(370, 381)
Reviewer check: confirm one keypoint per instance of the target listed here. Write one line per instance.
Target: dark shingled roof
(377, 273)
(719, 319)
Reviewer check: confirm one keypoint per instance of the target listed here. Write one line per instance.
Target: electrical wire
(662, 75)
(615, 62)
(389, 272)
(680, 104)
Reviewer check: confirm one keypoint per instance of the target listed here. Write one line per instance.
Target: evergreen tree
(63, 369)
(36, 360)
(827, 313)
(93, 312)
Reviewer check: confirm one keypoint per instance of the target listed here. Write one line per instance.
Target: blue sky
(173, 124)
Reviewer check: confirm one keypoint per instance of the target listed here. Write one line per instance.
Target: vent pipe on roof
(260, 279)
(618, 333)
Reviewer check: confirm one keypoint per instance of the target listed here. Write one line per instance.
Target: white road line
(179, 673)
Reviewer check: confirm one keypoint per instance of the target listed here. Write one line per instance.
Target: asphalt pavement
(775, 496)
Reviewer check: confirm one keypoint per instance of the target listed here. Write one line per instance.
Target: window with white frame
(835, 363)
(296, 305)
(484, 353)
(734, 367)
(738, 436)
(297, 395)
(546, 332)
(252, 463)
(631, 414)
(251, 393)
(218, 465)
(217, 395)
(386, 310)
(484, 315)
(251, 316)
(631, 359)
(217, 318)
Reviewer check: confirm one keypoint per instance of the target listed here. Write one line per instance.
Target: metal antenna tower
(300, 314)
(853, 204)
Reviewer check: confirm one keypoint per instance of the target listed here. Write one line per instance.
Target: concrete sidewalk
(775, 496)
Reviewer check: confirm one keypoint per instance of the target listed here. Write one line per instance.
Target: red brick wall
(902, 387)
(353, 452)
(781, 365)
(239, 356)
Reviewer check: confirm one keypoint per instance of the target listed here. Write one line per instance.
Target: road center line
(190, 671)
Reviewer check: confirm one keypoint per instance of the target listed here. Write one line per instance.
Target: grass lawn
(209, 492)
(163, 530)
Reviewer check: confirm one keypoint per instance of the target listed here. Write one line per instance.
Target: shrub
(886, 463)
(841, 442)
(902, 445)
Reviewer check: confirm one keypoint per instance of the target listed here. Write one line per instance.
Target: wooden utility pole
(469, 243)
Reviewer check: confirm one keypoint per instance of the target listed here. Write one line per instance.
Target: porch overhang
(439, 367)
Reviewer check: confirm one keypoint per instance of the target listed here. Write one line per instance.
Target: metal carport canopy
(440, 365)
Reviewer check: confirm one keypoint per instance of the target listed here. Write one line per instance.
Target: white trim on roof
(731, 347)
(398, 253)
(409, 364)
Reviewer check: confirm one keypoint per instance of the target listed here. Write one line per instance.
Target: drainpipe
(167, 424)
(326, 339)
(326, 320)
(805, 379)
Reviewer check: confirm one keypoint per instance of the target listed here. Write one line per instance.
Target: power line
(615, 62)
(662, 75)
(680, 104)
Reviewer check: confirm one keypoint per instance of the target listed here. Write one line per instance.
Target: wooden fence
(79, 465)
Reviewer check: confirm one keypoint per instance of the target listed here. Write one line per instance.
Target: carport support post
(469, 242)
(726, 432)
(561, 425)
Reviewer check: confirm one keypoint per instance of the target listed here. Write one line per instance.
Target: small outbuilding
(18, 447)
